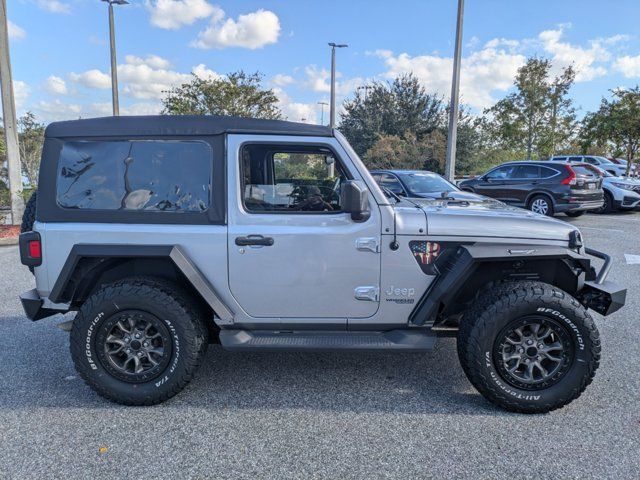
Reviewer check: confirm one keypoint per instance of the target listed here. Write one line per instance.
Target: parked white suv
(601, 162)
(620, 193)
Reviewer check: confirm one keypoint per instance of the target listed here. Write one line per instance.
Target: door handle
(250, 240)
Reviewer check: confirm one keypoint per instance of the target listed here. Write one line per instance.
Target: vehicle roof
(177, 125)
(533, 162)
(394, 170)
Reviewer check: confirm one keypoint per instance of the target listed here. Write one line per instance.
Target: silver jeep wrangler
(168, 233)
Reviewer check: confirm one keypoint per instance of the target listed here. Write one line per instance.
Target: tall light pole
(332, 109)
(322, 105)
(114, 65)
(450, 167)
(10, 123)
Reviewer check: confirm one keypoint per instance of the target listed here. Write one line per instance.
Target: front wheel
(138, 341)
(607, 205)
(529, 347)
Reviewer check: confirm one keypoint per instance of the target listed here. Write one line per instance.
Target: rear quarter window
(135, 175)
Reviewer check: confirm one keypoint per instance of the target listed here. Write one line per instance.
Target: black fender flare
(456, 271)
(60, 294)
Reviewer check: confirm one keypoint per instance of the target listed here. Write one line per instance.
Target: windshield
(425, 182)
(605, 160)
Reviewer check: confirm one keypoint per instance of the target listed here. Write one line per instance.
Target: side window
(546, 172)
(526, 172)
(577, 159)
(392, 183)
(141, 175)
(281, 178)
(592, 161)
(501, 173)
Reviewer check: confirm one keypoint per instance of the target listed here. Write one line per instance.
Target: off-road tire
(177, 311)
(575, 214)
(29, 215)
(550, 211)
(498, 308)
(607, 206)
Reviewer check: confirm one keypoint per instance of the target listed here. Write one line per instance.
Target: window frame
(48, 209)
(488, 179)
(285, 144)
(404, 189)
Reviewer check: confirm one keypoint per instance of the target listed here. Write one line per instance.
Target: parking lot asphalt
(318, 415)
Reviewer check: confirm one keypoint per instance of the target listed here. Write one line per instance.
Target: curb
(8, 241)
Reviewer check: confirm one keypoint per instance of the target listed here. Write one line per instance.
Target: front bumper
(601, 295)
(32, 304)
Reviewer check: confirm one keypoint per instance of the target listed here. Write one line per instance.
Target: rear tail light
(572, 178)
(35, 250)
(30, 249)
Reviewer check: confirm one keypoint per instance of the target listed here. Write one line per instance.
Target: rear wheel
(541, 204)
(138, 341)
(607, 206)
(529, 347)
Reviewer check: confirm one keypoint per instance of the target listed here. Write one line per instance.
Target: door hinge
(369, 294)
(371, 244)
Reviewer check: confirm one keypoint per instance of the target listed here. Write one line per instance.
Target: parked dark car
(420, 184)
(544, 187)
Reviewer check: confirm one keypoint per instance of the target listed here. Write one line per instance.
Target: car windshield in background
(426, 183)
(587, 171)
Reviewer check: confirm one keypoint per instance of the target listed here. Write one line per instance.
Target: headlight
(624, 186)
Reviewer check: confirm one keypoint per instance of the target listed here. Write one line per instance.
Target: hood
(490, 218)
(456, 194)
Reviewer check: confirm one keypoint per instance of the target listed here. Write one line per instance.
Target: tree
(238, 94)
(390, 109)
(408, 152)
(538, 116)
(30, 140)
(616, 124)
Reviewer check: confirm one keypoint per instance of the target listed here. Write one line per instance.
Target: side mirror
(354, 199)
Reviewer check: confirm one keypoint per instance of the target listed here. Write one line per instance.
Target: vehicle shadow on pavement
(37, 371)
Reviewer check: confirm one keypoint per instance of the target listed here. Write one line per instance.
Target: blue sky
(60, 55)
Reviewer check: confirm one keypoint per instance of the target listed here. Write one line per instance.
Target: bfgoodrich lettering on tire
(529, 347)
(138, 341)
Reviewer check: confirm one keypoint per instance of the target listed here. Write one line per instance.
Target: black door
(525, 179)
(495, 183)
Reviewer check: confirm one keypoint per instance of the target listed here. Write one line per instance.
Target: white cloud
(56, 110)
(92, 79)
(482, 72)
(21, 91)
(628, 66)
(55, 85)
(296, 111)
(152, 61)
(281, 80)
(252, 30)
(204, 73)
(54, 6)
(584, 60)
(143, 78)
(173, 14)
(16, 32)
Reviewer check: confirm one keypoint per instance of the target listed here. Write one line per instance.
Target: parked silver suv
(169, 233)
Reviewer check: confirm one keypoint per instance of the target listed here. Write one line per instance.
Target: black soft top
(176, 125)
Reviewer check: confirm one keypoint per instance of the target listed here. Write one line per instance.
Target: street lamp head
(338, 45)
(116, 2)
